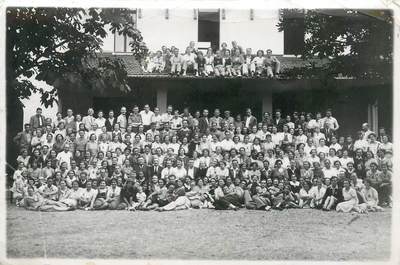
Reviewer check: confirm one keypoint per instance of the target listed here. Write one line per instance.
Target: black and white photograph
(199, 133)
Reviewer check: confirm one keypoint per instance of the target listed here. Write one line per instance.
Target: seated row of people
(224, 62)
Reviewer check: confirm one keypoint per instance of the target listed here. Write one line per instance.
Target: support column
(162, 99)
(266, 101)
(373, 116)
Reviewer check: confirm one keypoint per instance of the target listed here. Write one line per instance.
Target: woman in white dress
(350, 200)
(371, 197)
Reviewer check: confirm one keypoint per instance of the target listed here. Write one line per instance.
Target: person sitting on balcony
(272, 64)
(176, 62)
(248, 65)
(189, 61)
(200, 64)
(156, 63)
(224, 50)
(235, 47)
(209, 67)
(219, 69)
(228, 63)
(192, 47)
(258, 63)
(237, 62)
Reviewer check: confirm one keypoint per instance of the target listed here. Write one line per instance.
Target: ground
(199, 234)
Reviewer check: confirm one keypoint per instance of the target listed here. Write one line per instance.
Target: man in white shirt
(191, 170)
(366, 131)
(146, 114)
(317, 193)
(157, 118)
(89, 120)
(65, 156)
(121, 119)
(49, 191)
(188, 60)
(168, 170)
(179, 171)
(331, 121)
(227, 144)
(276, 137)
(167, 117)
(100, 121)
(328, 171)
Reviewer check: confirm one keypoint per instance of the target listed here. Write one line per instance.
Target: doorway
(208, 27)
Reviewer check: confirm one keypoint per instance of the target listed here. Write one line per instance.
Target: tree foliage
(359, 43)
(60, 46)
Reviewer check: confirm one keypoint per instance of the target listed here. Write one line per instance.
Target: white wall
(34, 102)
(178, 30)
(260, 33)
(108, 41)
(181, 28)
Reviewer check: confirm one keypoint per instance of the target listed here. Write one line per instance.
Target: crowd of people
(148, 160)
(235, 62)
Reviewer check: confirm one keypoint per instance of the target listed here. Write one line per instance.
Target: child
(248, 65)
(219, 69)
(258, 63)
(18, 188)
(201, 63)
(209, 68)
(189, 61)
(176, 62)
(141, 198)
(272, 64)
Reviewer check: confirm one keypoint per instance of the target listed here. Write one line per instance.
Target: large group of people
(148, 160)
(234, 62)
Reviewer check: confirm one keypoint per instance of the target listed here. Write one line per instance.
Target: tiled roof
(134, 68)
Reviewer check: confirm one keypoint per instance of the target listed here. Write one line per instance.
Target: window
(121, 42)
(293, 31)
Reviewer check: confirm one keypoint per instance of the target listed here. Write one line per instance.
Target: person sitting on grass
(113, 195)
(333, 195)
(160, 197)
(17, 188)
(184, 201)
(284, 199)
(350, 199)
(100, 202)
(371, 197)
(127, 195)
(317, 193)
(87, 197)
(305, 196)
(140, 199)
(34, 201)
(225, 199)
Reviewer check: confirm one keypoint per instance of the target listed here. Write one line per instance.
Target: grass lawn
(199, 234)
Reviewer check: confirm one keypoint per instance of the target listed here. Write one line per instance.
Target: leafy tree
(60, 46)
(359, 43)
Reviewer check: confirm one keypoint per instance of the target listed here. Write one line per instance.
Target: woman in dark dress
(101, 199)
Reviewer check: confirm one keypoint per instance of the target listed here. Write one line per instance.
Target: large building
(353, 101)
